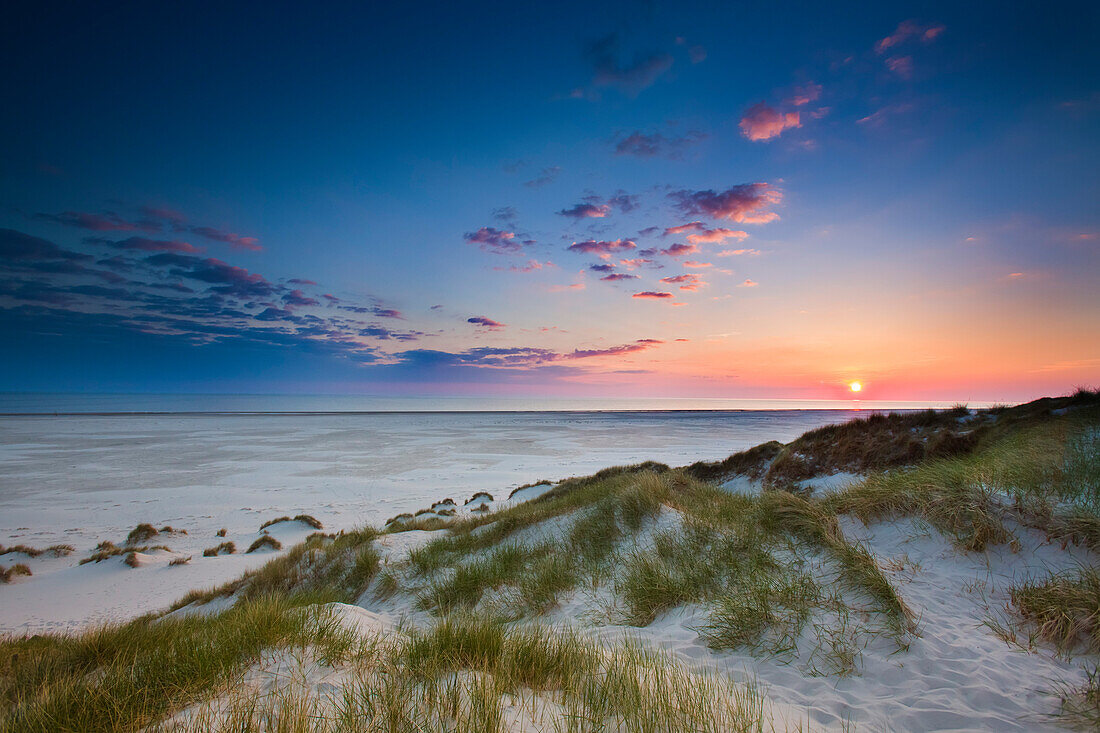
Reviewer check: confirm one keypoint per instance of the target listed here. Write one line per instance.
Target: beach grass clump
(1064, 608)
(103, 551)
(264, 541)
(126, 677)
(10, 573)
(303, 518)
(221, 532)
(52, 550)
(225, 548)
(141, 533)
(177, 561)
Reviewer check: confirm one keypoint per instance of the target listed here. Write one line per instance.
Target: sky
(735, 200)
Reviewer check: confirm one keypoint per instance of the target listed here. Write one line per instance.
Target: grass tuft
(225, 548)
(264, 541)
(19, 569)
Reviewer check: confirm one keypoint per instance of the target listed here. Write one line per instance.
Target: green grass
(124, 677)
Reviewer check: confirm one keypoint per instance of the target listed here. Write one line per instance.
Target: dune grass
(303, 518)
(124, 677)
(264, 541)
(141, 533)
(225, 548)
(53, 550)
(15, 571)
(1064, 608)
(457, 675)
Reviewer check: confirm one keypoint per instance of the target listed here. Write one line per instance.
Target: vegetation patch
(264, 541)
(225, 548)
(52, 550)
(15, 571)
(141, 533)
(303, 518)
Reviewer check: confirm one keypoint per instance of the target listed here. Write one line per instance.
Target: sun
(855, 386)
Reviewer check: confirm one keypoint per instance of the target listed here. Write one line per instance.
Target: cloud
(805, 94)
(761, 122)
(631, 264)
(652, 295)
(689, 282)
(485, 322)
(505, 213)
(630, 78)
(296, 298)
(566, 288)
(587, 211)
(618, 276)
(300, 281)
(655, 144)
(748, 203)
(906, 30)
(702, 235)
(901, 65)
(698, 54)
(881, 116)
(227, 279)
(639, 345)
(738, 252)
(497, 241)
(15, 245)
(602, 268)
(531, 266)
(602, 249)
(107, 221)
(232, 239)
(624, 202)
(144, 244)
(546, 176)
(748, 284)
(679, 250)
(697, 265)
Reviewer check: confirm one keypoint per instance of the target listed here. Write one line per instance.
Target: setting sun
(855, 386)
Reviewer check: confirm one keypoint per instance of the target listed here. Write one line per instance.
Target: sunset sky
(735, 200)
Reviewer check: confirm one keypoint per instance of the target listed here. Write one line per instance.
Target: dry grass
(52, 550)
(15, 571)
(225, 548)
(303, 518)
(264, 541)
(1064, 608)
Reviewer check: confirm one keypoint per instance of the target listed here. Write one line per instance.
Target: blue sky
(903, 196)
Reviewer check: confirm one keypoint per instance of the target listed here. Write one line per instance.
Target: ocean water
(66, 403)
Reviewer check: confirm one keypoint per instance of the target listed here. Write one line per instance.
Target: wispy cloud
(602, 248)
(909, 30)
(643, 145)
(546, 176)
(485, 322)
(630, 77)
(587, 211)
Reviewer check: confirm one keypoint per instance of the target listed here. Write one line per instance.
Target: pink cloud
(906, 30)
(805, 94)
(748, 284)
(652, 294)
(702, 235)
(748, 203)
(901, 65)
(495, 240)
(635, 263)
(639, 345)
(617, 276)
(761, 122)
(679, 250)
(697, 265)
(531, 266)
(485, 322)
(602, 248)
(105, 222)
(153, 245)
(738, 252)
